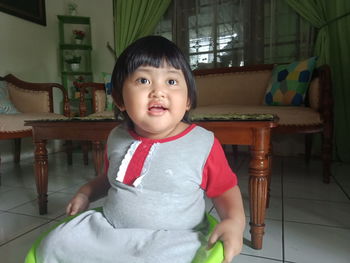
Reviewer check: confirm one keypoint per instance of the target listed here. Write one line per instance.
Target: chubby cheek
(135, 107)
(128, 100)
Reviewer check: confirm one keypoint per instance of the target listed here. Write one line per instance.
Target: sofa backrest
(242, 86)
(239, 88)
(28, 101)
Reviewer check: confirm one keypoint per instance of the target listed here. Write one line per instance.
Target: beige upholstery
(102, 114)
(29, 100)
(100, 101)
(314, 94)
(33, 102)
(239, 88)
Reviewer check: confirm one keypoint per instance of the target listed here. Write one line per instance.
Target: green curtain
(315, 12)
(332, 19)
(135, 19)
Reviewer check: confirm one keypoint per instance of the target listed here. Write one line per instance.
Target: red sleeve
(217, 174)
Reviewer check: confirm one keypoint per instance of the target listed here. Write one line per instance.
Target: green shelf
(73, 73)
(75, 46)
(67, 49)
(74, 19)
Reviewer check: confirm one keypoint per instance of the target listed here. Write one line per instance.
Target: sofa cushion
(102, 114)
(6, 106)
(289, 83)
(15, 122)
(288, 115)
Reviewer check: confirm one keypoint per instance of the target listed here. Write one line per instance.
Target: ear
(120, 107)
(188, 105)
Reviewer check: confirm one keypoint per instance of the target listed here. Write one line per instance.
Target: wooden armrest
(94, 86)
(47, 87)
(326, 96)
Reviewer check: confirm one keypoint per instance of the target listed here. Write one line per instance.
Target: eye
(143, 81)
(172, 82)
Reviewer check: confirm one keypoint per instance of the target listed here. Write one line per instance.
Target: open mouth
(157, 108)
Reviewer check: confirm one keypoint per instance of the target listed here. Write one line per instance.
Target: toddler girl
(158, 169)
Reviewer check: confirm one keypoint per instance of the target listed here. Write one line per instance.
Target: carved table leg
(97, 149)
(269, 156)
(41, 169)
(258, 170)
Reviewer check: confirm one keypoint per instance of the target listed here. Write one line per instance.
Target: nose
(157, 91)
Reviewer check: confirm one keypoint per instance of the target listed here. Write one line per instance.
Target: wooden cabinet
(75, 55)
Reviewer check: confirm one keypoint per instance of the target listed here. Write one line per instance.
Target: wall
(30, 51)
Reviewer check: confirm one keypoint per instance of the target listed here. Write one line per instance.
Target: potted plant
(74, 62)
(72, 9)
(78, 36)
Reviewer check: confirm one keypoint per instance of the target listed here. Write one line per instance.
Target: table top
(229, 130)
(229, 117)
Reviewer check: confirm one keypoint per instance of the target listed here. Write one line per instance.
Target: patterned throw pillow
(108, 87)
(6, 106)
(289, 83)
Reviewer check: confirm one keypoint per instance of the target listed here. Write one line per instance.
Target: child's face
(156, 100)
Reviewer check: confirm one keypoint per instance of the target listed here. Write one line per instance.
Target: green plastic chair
(214, 255)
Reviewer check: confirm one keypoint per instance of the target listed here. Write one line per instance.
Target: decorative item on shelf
(74, 62)
(72, 9)
(78, 36)
(76, 94)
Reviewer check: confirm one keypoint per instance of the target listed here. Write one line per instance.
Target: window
(222, 33)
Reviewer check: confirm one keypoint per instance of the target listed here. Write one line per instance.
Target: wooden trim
(261, 67)
(48, 87)
(15, 135)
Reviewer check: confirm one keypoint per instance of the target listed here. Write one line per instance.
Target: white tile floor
(307, 221)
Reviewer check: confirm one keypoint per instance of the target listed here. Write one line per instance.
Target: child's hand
(80, 202)
(230, 235)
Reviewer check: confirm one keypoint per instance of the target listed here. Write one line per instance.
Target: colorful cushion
(6, 106)
(289, 83)
(108, 87)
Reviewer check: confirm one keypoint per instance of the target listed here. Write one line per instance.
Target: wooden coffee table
(256, 134)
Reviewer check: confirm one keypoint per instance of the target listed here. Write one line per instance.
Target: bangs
(155, 59)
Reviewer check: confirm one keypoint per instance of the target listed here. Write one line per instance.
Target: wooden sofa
(33, 101)
(241, 90)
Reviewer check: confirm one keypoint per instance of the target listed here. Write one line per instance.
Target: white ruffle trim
(146, 166)
(125, 162)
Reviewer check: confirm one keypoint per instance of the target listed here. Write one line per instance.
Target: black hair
(151, 51)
